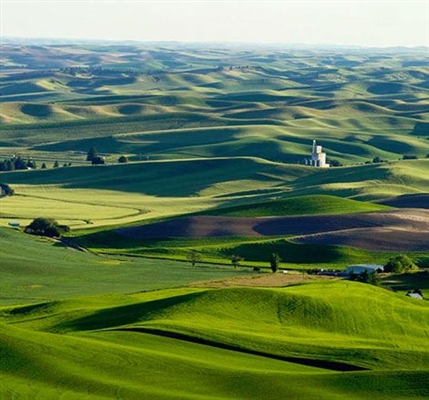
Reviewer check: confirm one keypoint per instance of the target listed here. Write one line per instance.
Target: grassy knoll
(36, 269)
(302, 205)
(198, 343)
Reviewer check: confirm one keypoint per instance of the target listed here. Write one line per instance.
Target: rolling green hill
(303, 205)
(220, 130)
(175, 102)
(85, 197)
(193, 343)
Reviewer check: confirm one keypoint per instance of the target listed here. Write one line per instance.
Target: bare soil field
(264, 280)
(405, 229)
(408, 201)
(377, 239)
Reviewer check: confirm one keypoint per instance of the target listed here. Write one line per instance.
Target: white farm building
(359, 268)
(318, 157)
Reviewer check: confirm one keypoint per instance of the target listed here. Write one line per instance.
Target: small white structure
(415, 295)
(360, 268)
(318, 158)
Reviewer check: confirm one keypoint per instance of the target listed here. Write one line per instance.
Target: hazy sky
(345, 22)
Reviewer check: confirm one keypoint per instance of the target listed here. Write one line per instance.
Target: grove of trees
(399, 264)
(46, 227)
(17, 163)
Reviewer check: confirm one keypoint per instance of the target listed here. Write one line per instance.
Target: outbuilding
(360, 268)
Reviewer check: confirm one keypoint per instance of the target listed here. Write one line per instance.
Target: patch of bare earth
(404, 229)
(264, 280)
(408, 201)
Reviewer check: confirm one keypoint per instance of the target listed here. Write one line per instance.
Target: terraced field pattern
(217, 140)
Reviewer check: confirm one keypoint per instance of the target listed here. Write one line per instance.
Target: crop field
(216, 142)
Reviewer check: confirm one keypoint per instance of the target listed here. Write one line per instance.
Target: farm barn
(359, 268)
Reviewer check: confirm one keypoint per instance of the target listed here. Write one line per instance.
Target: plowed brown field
(405, 229)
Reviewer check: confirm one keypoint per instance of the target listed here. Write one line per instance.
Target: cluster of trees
(399, 264)
(372, 278)
(96, 159)
(17, 163)
(6, 190)
(46, 227)
(377, 160)
(99, 71)
(193, 257)
(93, 156)
(334, 163)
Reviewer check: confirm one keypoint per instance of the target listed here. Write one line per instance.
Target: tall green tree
(194, 257)
(92, 153)
(235, 260)
(274, 262)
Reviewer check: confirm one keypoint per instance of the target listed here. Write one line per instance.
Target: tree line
(17, 163)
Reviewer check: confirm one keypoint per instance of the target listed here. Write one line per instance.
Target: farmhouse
(360, 268)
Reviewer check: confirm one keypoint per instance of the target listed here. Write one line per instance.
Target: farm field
(216, 141)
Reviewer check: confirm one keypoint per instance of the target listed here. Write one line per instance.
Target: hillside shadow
(125, 315)
(310, 362)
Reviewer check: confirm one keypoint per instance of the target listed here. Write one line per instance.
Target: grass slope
(98, 347)
(35, 269)
(302, 205)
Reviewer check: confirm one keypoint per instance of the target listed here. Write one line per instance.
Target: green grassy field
(197, 343)
(35, 269)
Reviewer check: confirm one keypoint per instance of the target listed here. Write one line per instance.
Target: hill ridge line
(330, 365)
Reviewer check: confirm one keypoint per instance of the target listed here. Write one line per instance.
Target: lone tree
(399, 264)
(46, 227)
(194, 257)
(275, 262)
(92, 153)
(235, 260)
